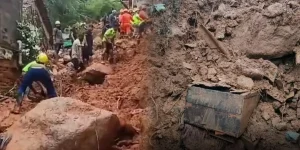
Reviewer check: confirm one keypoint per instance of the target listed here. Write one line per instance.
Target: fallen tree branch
(156, 107)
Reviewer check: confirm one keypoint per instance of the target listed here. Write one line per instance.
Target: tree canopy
(69, 12)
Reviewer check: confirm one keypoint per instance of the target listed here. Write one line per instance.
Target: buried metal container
(217, 108)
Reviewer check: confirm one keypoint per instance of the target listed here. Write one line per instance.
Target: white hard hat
(57, 22)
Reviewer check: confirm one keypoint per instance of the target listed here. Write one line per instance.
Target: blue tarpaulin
(159, 7)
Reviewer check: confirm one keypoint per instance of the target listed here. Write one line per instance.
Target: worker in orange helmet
(120, 20)
(126, 22)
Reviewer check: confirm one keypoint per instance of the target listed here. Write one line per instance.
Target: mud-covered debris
(293, 4)
(292, 136)
(245, 82)
(130, 53)
(187, 65)
(296, 124)
(266, 116)
(220, 32)
(54, 123)
(95, 74)
(276, 94)
(276, 105)
(191, 45)
(257, 69)
(274, 10)
(67, 58)
(281, 126)
(211, 74)
(298, 112)
(200, 112)
(297, 55)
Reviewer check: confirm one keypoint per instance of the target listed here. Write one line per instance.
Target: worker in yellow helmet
(36, 72)
(136, 21)
(109, 42)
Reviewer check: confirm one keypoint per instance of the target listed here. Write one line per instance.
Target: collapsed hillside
(259, 38)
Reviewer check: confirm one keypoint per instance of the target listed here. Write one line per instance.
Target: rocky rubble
(260, 37)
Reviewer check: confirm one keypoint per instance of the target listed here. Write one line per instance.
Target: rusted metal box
(217, 108)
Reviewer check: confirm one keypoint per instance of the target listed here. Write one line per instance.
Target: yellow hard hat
(42, 58)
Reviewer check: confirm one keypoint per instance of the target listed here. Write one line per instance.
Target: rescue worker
(145, 18)
(24, 71)
(36, 73)
(108, 41)
(136, 22)
(87, 50)
(76, 56)
(112, 19)
(120, 21)
(57, 37)
(126, 22)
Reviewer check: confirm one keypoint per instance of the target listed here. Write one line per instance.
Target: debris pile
(254, 52)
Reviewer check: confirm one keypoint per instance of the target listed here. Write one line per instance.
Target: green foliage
(72, 11)
(30, 37)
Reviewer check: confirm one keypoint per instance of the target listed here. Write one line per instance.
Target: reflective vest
(136, 19)
(109, 34)
(28, 66)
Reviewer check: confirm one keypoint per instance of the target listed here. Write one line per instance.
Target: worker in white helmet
(112, 19)
(57, 37)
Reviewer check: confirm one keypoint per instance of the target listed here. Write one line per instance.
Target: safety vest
(109, 34)
(28, 66)
(38, 66)
(136, 19)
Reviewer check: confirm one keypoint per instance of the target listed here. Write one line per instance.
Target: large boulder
(260, 37)
(257, 68)
(95, 74)
(64, 124)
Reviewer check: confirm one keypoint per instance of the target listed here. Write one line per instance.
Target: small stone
(275, 121)
(245, 82)
(293, 105)
(266, 116)
(187, 65)
(274, 10)
(212, 72)
(298, 113)
(191, 45)
(276, 105)
(295, 124)
(281, 126)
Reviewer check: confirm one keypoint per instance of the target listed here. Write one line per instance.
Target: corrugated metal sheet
(218, 110)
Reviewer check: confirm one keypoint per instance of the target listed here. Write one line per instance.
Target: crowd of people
(127, 23)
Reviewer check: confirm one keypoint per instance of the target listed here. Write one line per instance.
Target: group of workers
(37, 71)
(82, 44)
(135, 20)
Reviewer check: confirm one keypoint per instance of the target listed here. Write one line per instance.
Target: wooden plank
(297, 55)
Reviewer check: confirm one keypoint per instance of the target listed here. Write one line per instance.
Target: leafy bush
(30, 37)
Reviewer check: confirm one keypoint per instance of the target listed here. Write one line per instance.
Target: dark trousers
(108, 49)
(78, 66)
(40, 75)
(58, 47)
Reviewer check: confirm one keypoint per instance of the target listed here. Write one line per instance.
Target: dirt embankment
(179, 55)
